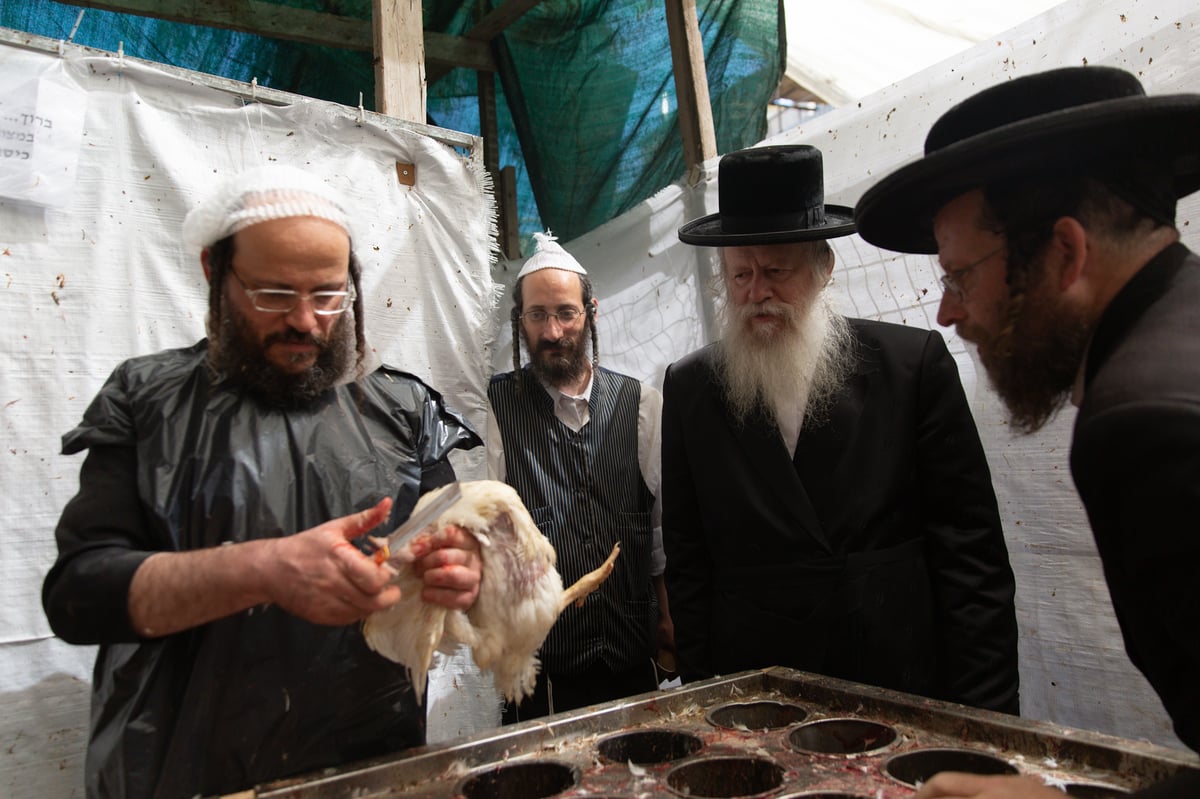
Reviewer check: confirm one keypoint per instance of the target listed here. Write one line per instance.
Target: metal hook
(121, 55)
(362, 114)
(254, 90)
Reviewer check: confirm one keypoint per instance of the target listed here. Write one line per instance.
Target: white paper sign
(41, 131)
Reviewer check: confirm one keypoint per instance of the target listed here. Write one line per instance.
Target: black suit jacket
(1135, 457)
(877, 555)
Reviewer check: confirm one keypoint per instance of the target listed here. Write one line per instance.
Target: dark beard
(235, 354)
(1036, 365)
(561, 363)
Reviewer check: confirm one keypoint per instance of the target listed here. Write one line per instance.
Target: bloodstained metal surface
(689, 742)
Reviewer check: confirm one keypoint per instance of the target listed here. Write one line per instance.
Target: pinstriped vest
(585, 492)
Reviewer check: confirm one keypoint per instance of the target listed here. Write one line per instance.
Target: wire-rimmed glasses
(324, 303)
(952, 282)
(565, 316)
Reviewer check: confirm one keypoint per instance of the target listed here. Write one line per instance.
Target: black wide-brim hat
(770, 195)
(1073, 119)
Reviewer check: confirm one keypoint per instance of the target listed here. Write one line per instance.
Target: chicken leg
(589, 582)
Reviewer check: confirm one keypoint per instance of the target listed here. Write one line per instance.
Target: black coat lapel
(822, 447)
(823, 452)
(767, 455)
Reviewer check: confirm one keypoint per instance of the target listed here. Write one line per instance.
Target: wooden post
(691, 86)
(504, 181)
(510, 234)
(489, 126)
(399, 59)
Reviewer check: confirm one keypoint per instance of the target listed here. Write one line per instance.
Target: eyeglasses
(566, 316)
(324, 303)
(952, 282)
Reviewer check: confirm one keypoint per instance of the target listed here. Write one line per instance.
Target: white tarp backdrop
(97, 274)
(655, 306)
(151, 142)
(845, 50)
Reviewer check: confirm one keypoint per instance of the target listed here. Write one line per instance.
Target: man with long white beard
(580, 444)
(826, 501)
(209, 549)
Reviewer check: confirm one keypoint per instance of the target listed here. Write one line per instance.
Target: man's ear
(595, 308)
(1068, 250)
(204, 263)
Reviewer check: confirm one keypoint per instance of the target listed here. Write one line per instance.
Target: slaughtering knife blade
(382, 549)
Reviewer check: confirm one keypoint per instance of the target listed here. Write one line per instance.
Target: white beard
(794, 371)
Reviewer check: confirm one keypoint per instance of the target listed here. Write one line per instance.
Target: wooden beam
(487, 28)
(399, 59)
(297, 25)
(495, 21)
(445, 52)
(691, 86)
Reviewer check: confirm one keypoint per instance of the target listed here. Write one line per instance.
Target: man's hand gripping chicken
(520, 592)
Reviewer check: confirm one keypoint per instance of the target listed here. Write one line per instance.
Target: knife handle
(371, 547)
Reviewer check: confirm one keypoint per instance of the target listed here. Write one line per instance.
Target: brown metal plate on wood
(676, 749)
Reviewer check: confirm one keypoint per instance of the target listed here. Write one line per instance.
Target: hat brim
(897, 213)
(707, 231)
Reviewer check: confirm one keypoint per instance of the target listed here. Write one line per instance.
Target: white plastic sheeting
(655, 306)
(153, 140)
(99, 275)
(845, 50)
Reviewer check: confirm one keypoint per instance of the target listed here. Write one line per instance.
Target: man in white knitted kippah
(580, 445)
(209, 549)
(278, 347)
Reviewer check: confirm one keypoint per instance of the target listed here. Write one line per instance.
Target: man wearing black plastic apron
(208, 549)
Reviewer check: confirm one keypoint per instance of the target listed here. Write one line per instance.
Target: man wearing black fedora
(826, 501)
(1050, 202)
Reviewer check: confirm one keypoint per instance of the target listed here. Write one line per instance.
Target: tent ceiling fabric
(846, 50)
(587, 112)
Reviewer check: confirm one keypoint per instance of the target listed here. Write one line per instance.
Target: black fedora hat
(770, 195)
(1071, 119)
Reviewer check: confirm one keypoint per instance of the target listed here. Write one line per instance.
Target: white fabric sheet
(101, 277)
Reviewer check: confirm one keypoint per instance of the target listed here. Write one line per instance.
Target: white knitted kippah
(549, 254)
(260, 195)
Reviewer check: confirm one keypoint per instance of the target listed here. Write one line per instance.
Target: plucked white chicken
(520, 594)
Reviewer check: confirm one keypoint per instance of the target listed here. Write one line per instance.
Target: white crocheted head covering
(260, 195)
(549, 254)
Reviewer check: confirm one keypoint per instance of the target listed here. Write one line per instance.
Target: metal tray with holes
(775, 733)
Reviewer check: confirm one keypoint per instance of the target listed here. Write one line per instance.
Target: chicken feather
(520, 594)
